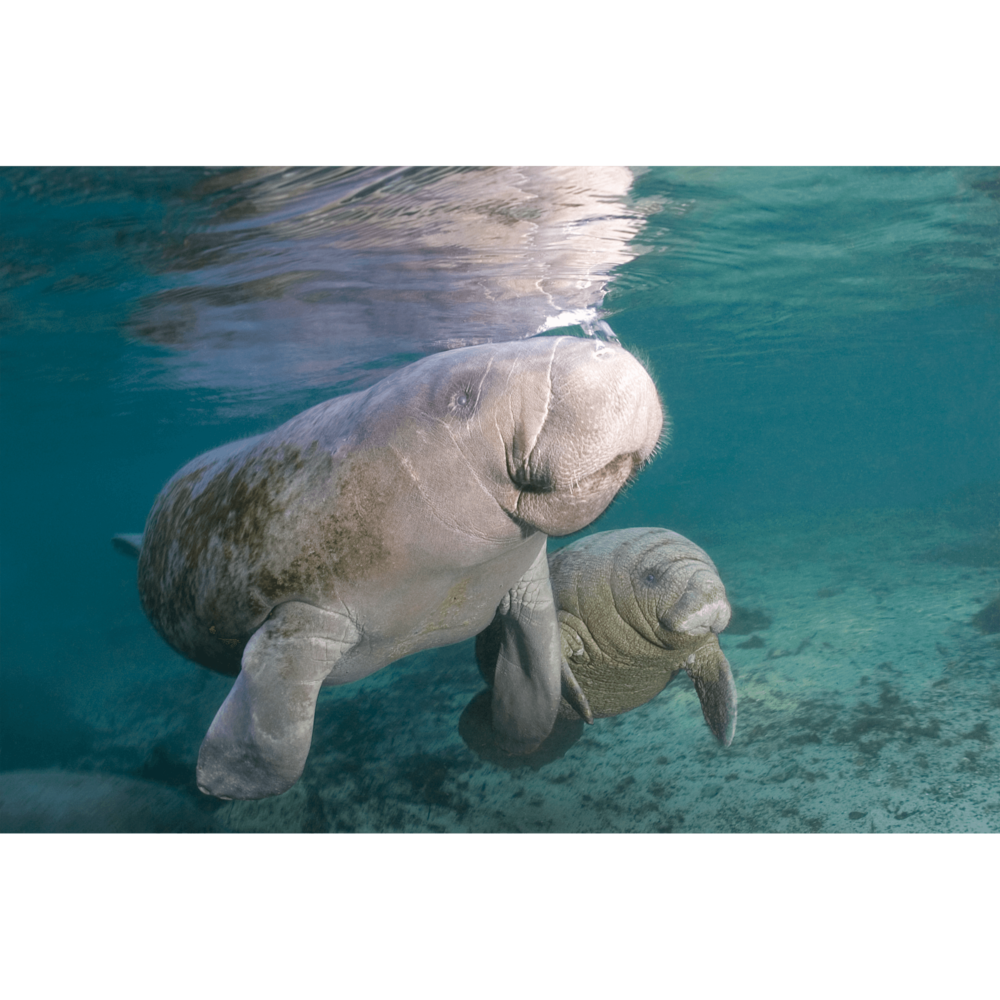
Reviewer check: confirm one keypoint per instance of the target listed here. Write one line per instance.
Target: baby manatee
(635, 607)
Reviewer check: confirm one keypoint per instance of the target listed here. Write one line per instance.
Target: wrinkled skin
(635, 608)
(385, 522)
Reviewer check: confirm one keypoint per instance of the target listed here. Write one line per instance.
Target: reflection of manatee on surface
(636, 607)
(313, 277)
(385, 522)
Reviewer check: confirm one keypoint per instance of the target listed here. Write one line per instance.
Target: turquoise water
(826, 341)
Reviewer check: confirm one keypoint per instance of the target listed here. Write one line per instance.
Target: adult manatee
(385, 522)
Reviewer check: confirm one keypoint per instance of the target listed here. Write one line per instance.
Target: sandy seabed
(868, 702)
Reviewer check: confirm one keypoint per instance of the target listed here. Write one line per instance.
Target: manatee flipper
(526, 685)
(128, 545)
(713, 680)
(574, 694)
(259, 740)
(488, 649)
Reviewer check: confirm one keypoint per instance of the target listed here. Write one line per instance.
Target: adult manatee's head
(587, 424)
(552, 427)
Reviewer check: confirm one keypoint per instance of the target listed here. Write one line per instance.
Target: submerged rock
(988, 618)
(73, 802)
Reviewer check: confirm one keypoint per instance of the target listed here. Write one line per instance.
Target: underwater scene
(825, 343)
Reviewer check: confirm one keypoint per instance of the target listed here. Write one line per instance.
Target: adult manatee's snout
(584, 431)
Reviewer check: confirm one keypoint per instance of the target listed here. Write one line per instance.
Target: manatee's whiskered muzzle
(712, 616)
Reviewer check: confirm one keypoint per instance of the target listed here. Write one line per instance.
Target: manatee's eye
(461, 399)
(650, 578)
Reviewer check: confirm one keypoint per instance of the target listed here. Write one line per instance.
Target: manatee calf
(388, 521)
(635, 608)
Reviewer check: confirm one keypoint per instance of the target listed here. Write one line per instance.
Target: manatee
(388, 521)
(635, 607)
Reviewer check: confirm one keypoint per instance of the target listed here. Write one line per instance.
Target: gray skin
(636, 607)
(388, 521)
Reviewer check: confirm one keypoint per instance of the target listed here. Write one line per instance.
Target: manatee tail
(713, 680)
(129, 545)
